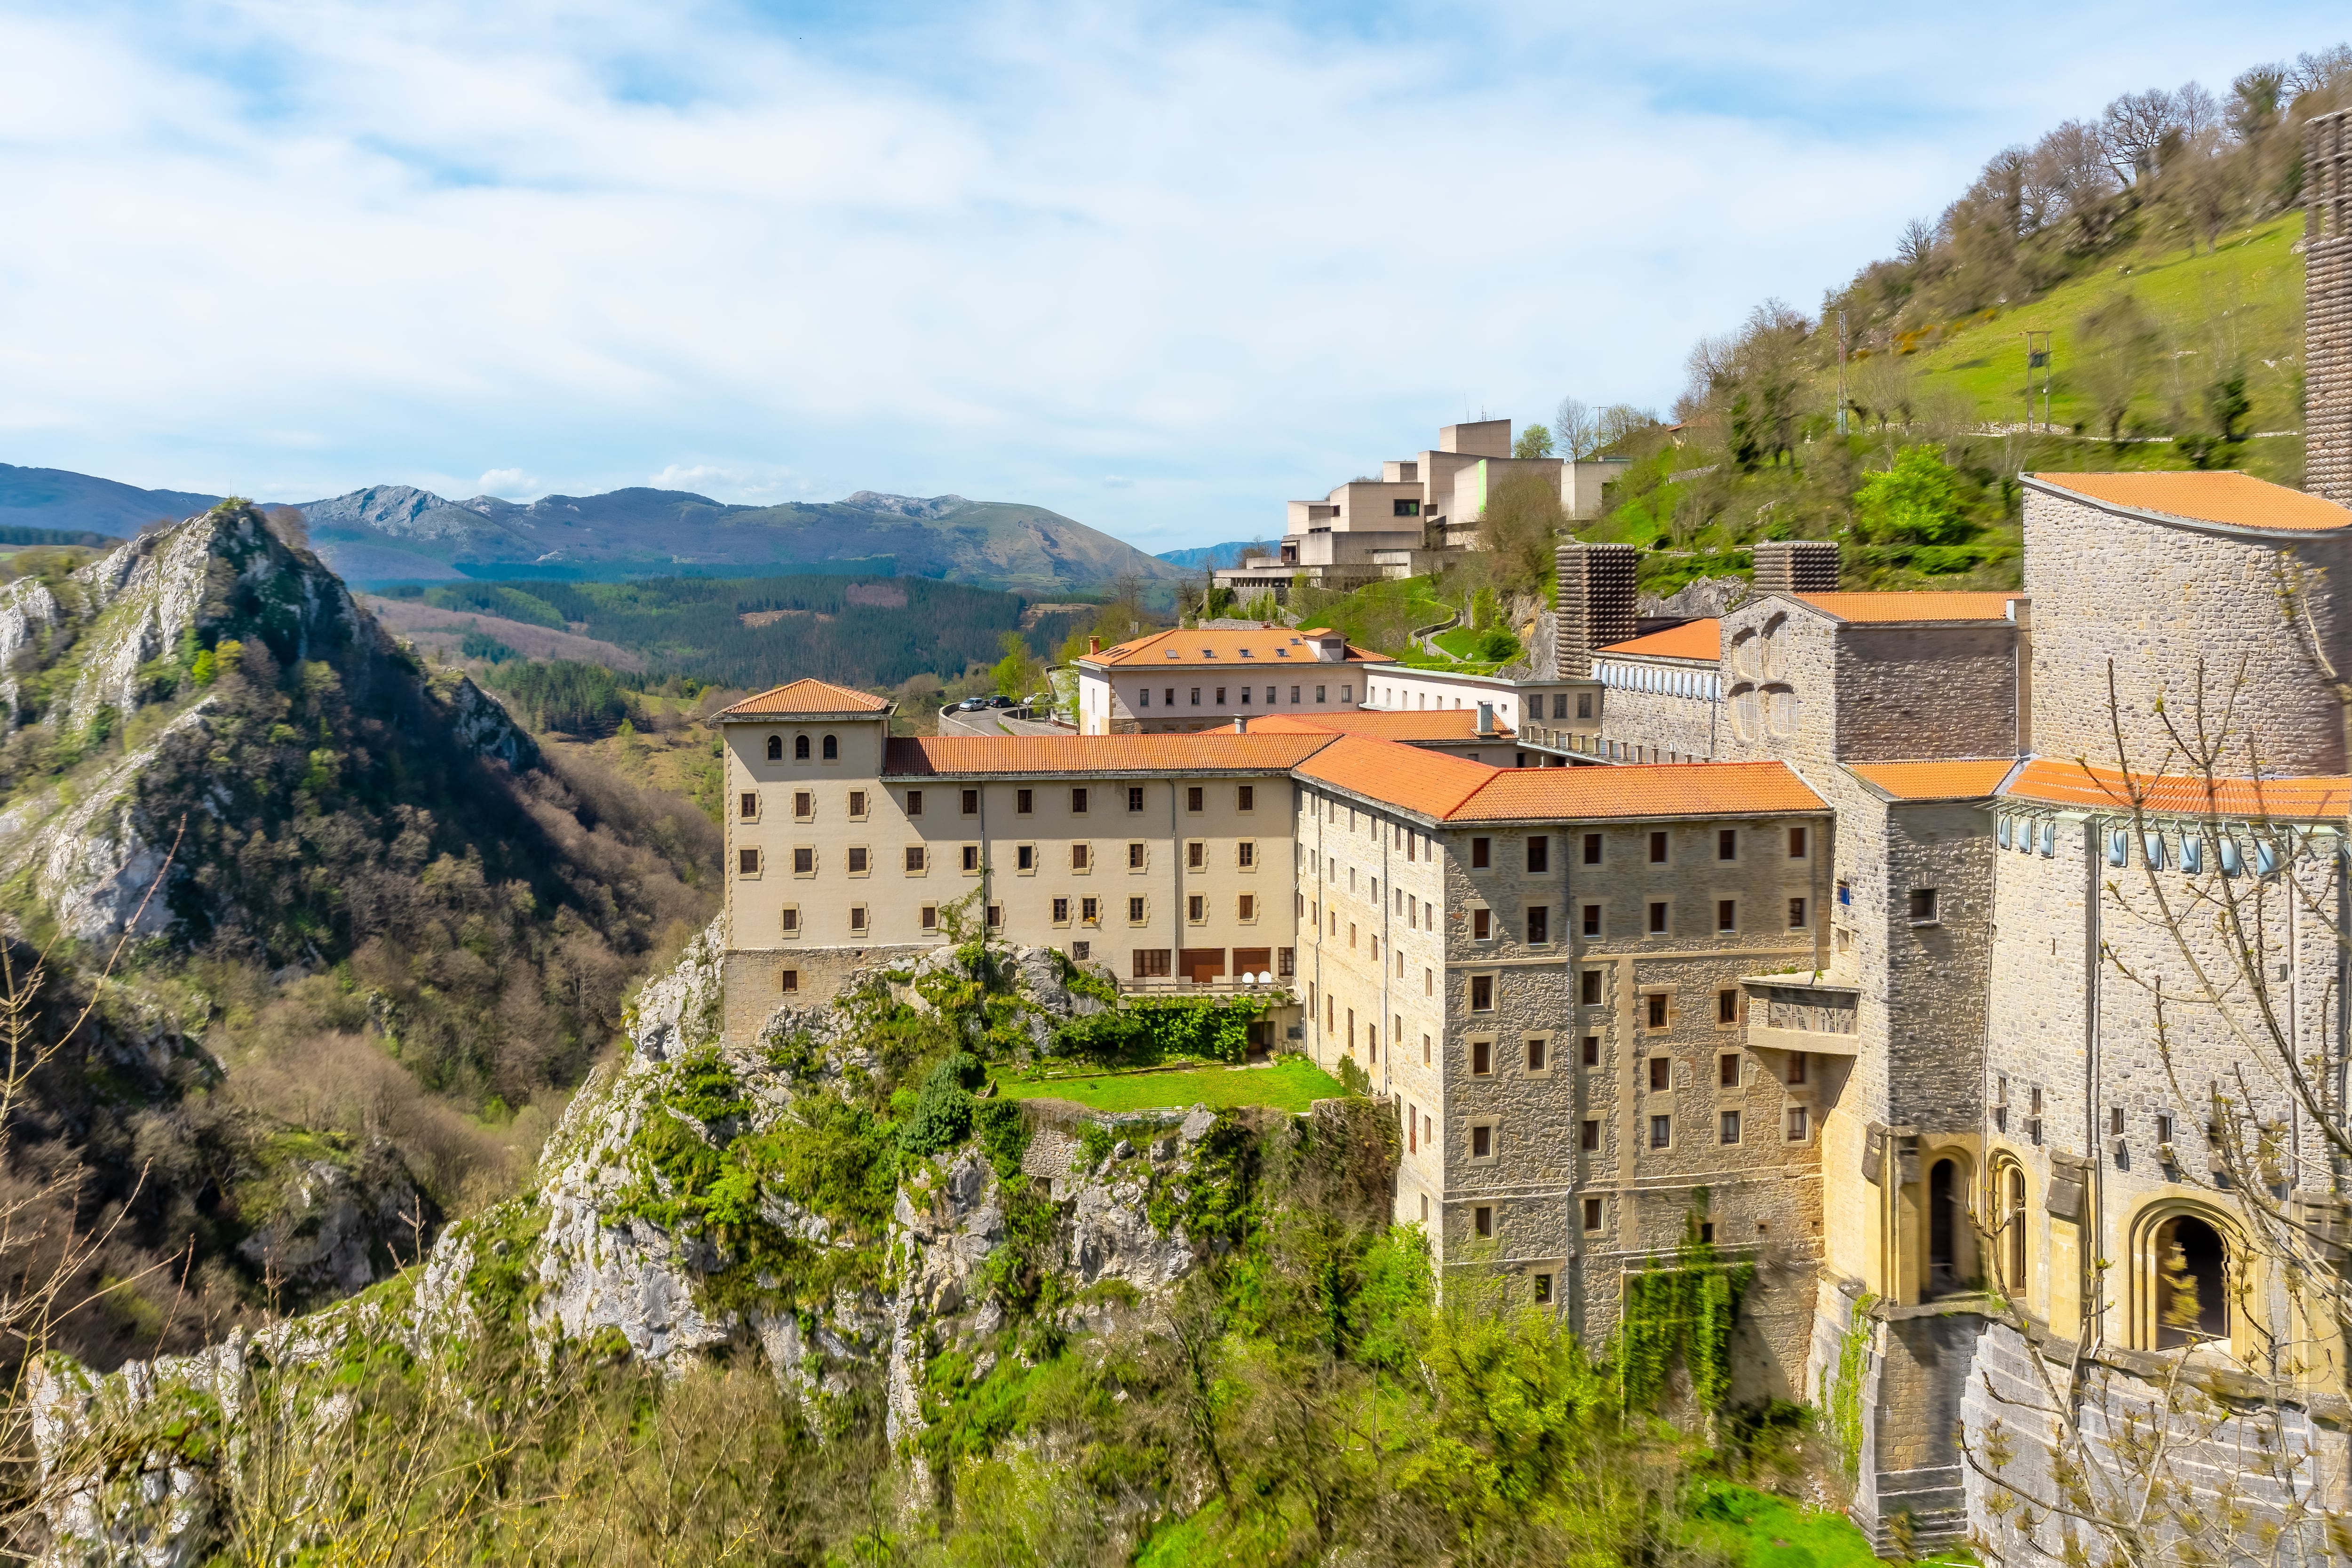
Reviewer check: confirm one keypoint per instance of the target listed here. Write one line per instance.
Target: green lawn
(1292, 1083)
(1756, 1530)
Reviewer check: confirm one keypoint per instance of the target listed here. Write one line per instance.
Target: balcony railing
(1278, 992)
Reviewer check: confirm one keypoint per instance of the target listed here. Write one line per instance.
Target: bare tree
(2134, 130)
(1576, 432)
(1917, 244)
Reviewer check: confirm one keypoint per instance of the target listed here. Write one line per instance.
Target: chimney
(1596, 604)
(1240, 723)
(1797, 566)
(1094, 645)
(2327, 306)
(1485, 721)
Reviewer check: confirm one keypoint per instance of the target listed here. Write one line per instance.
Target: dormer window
(1174, 654)
(1246, 653)
(1208, 653)
(1282, 653)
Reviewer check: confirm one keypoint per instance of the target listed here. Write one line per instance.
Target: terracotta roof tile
(2231, 499)
(811, 696)
(1399, 724)
(1222, 648)
(1650, 789)
(1971, 778)
(1430, 783)
(968, 756)
(1913, 606)
(2055, 783)
(1691, 639)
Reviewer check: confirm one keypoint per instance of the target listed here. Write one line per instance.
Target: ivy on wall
(1680, 1313)
(1842, 1393)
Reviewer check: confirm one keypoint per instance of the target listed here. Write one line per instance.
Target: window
(1429, 983)
(1146, 695)
(1482, 924)
(1796, 1073)
(1023, 802)
(994, 915)
(1796, 843)
(1729, 1132)
(1592, 849)
(929, 917)
(1538, 854)
(857, 919)
(1404, 507)
(1196, 696)
(1246, 798)
(1923, 906)
(856, 855)
(1590, 1046)
(1079, 802)
(1081, 857)
(917, 858)
(1090, 911)
(1661, 1131)
(1482, 1057)
(747, 861)
(1248, 907)
(1481, 1218)
(751, 811)
(1082, 949)
(1538, 1053)
(1196, 908)
(1412, 1128)
(804, 805)
(1135, 908)
(1285, 963)
(1796, 914)
(1135, 857)
(1662, 1073)
(1481, 994)
(1658, 848)
(1061, 911)
(1245, 854)
(1192, 797)
(800, 748)
(2115, 1121)
(914, 803)
(792, 919)
(1482, 1141)
(1480, 851)
(831, 750)
(1319, 694)
(1539, 925)
(1543, 1290)
(1800, 1124)
(1727, 1069)
(1153, 962)
(1024, 857)
(1592, 919)
(1585, 705)
(1221, 697)
(1285, 653)
(1727, 1005)
(775, 748)
(1590, 1138)
(1658, 912)
(971, 857)
(1656, 1003)
(789, 982)
(1727, 843)
(1135, 797)
(2192, 1294)
(804, 861)
(1588, 988)
(1592, 1213)
(1196, 854)
(858, 805)
(1726, 915)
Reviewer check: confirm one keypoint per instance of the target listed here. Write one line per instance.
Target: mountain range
(398, 533)
(1229, 553)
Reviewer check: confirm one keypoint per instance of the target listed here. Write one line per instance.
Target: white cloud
(513, 484)
(295, 249)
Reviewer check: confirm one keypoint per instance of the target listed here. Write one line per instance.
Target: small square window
(1727, 1005)
(1796, 1073)
(1727, 843)
(1135, 797)
(1481, 1218)
(804, 805)
(1480, 851)
(1661, 1131)
(914, 803)
(857, 919)
(1656, 1001)
(1481, 1142)
(1592, 1213)
(1135, 908)
(1658, 848)
(1662, 1073)
(747, 861)
(1196, 908)
(1482, 924)
(1539, 925)
(1246, 798)
(1481, 994)
(1800, 1124)
(1538, 1052)
(1726, 915)
(1135, 857)
(1658, 911)
(1590, 1138)
(857, 860)
(1592, 919)
(1729, 1132)
(1082, 950)
(1727, 1069)
(972, 803)
(1923, 906)
(1543, 1290)
(1590, 1049)
(917, 857)
(1192, 793)
(1592, 849)
(1538, 854)
(804, 861)
(971, 857)
(1025, 802)
(750, 804)
(1061, 911)
(858, 805)
(929, 917)
(1079, 802)
(1588, 988)
(1482, 1057)
(1797, 842)
(1796, 914)
(789, 982)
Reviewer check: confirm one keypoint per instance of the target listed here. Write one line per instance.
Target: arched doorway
(2013, 1241)
(2192, 1297)
(1943, 1228)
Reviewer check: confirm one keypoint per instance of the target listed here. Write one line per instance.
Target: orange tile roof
(1219, 647)
(966, 756)
(1971, 778)
(1913, 606)
(2056, 783)
(1399, 724)
(1430, 783)
(809, 696)
(1691, 639)
(2231, 499)
(1455, 789)
(1649, 789)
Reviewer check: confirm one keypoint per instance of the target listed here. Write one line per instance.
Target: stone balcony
(1799, 1012)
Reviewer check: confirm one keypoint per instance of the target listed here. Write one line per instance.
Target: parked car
(971, 705)
(1002, 702)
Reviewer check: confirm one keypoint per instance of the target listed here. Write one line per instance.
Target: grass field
(1292, 1083)
(1756, 1530)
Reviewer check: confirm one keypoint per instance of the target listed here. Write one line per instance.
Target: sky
(1159, 267)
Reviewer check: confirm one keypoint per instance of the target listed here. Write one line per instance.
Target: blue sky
(1159, 267)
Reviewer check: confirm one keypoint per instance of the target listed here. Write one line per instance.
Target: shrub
(1917, 499)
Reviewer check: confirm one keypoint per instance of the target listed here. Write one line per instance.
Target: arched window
(2192, 1297)
(831, 750)
(2009, 1203)
(1943, 1228)
(775, 748)
(800, 748)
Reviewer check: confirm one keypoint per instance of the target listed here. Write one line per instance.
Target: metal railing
(1218, 986)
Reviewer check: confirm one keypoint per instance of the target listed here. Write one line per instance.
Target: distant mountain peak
(905, 506)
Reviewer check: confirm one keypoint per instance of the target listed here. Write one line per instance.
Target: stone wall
(1938, 975)
(2159, 603)
(753, 979)
(2327, 306)
(1911, 691)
